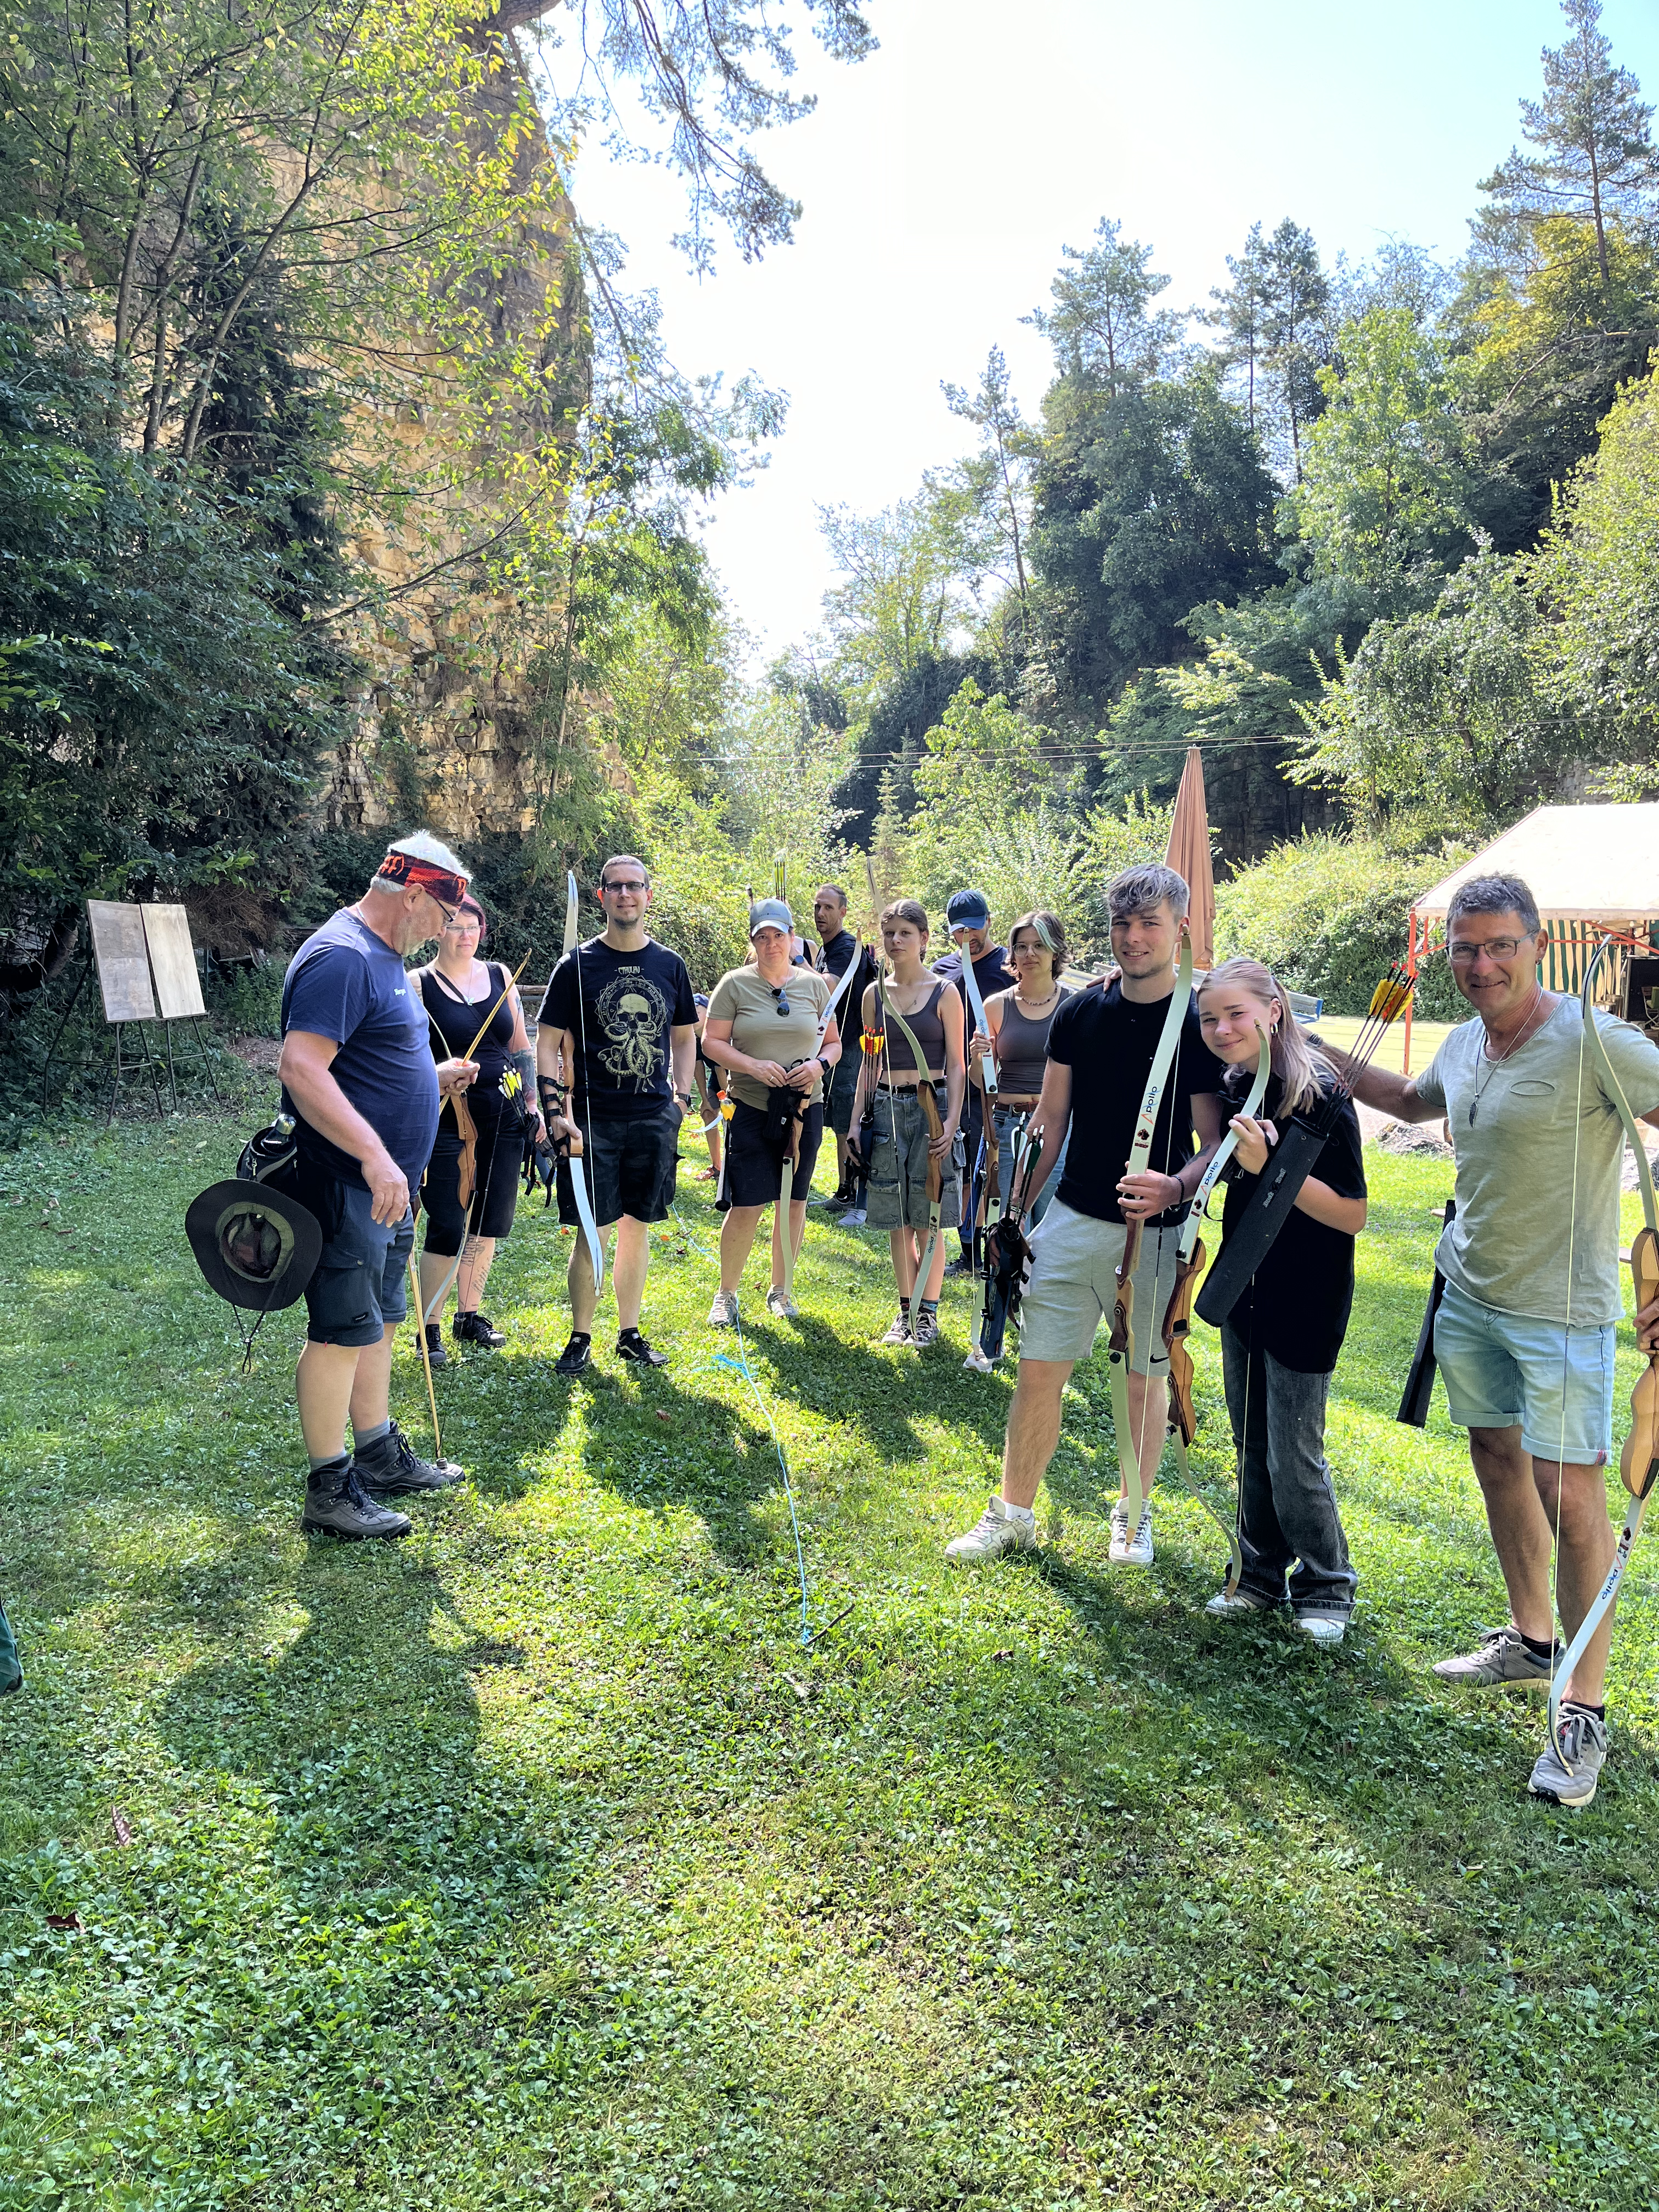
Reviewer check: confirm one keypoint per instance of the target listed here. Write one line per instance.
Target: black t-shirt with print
(1109, 1042)
(629, 1003)
(1298, 1302)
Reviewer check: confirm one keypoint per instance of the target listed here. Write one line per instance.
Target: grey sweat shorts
(1073, 1288)
(898, 1172)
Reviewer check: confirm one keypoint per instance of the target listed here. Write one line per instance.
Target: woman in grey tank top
(1019, 1021)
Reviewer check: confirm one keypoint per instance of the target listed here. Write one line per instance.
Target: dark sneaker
(961, 1268)
(389, 1468)
(474, 1329)
(576, 1355)
(436, 1356)
(631, 1345)
(899, 1334)
(1503, 1662)
(1568, 1777)
(337, 1505)
(924, 1325)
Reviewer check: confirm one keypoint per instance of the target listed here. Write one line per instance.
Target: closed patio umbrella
(1189, 856)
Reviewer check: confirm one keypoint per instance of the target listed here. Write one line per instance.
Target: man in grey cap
(968, 915)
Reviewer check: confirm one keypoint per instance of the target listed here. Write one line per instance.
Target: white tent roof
(1581, 863)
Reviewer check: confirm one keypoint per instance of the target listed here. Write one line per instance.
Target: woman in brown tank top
(889, 1124)
(1019, 1021)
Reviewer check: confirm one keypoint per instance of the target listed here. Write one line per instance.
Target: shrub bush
(1327, 914)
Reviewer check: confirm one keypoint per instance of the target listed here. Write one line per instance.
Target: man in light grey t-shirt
(1524, 1335)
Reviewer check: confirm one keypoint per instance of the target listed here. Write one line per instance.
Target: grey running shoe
(999, 1528)
(1503, 1661)
(337, 1505)
(855, 1218)
(781, 1305)
(723, 1313)
(1568, 1777)
(900, 1331)
(389, 1468)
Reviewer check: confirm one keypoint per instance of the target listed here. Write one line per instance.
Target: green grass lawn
(534, 1862)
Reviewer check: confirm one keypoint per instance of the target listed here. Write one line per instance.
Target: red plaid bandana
(404, 868)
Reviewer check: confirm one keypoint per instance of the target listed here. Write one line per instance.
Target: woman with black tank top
(1019, 1022)
(458, 989)
(889, 1121)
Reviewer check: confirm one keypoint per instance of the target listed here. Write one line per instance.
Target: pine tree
(1102, 325)
(1596, 158)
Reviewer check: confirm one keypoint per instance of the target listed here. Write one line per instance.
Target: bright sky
(941, 177)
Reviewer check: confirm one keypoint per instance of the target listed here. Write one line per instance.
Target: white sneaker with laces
(1125, 1551)
(1223, 1607)
(779, 1303)
(999, 1528)
(1323, 1627)
(723, 1313)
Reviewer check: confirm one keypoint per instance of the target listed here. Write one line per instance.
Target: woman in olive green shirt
(763, 1029)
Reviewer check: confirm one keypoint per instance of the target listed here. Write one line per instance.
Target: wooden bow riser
(1638, 1462)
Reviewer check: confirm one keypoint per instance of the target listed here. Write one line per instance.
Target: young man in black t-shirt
(615, 1042)
(1101, 1050)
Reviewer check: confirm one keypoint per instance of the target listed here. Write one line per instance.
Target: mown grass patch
(533, 1860)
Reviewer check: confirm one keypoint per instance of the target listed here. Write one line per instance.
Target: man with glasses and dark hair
(359, 1077)
(1524, 1334)
(615, 1042)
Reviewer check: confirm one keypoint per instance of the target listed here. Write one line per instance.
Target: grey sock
(366, 1439)
(335, 1462)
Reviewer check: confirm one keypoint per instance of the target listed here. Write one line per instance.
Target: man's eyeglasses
(1462, 953)
(781, 995)
(625, 884)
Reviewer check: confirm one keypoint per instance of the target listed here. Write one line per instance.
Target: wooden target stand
(147, 972)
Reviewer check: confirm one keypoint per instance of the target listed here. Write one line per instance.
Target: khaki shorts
(1073, 1288)
(898, 1170)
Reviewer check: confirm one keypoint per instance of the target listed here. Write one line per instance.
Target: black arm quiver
(1289, 1165)
(1419, 1380)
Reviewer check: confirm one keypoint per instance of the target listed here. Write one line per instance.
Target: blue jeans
(1288, 1529)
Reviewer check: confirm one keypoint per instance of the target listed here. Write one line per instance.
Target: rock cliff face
(447, 721)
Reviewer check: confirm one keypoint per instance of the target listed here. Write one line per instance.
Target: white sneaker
(999, 1528)
(1223, 1607)
(977, 1363)
(855, 1218)
(1323, 1627)
(723, 1313)
(1125, 1551)
(780, 1303)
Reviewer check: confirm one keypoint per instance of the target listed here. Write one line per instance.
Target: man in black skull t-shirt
(615, 1041)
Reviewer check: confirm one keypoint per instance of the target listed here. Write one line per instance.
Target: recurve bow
(1638, 1462)
(1120, 1348)
(579, 1189)
(1177, 1317)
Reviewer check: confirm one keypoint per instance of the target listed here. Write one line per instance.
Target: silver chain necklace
(1521, 1035)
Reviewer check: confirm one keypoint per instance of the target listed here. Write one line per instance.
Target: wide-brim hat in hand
(256, 1247)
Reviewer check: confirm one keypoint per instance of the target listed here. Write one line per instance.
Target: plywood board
(173, 960)
(123, 958)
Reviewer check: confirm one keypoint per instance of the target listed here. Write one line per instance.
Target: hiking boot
(631, 1345)
(1224, 1608)
(474, 1329)
(1325, 1628)
(899, 1334)
(573, 1359)
(1503, 1661)
(337, 1505)
(999, 1528)
(1125, 1551)
(1568, 1777)
(924, 1325)
(389, 1468)
(723, 1313)
(436, 1355)
(782, 1306)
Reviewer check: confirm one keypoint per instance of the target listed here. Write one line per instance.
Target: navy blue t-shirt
(348, 984)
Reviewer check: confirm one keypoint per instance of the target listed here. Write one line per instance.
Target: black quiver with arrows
(1289, 1165)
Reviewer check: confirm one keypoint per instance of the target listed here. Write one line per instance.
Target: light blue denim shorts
(1504, 1371)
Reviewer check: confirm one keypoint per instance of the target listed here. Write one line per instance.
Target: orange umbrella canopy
(1189, 856)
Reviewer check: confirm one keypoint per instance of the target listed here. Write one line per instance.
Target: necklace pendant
(1474, 1106)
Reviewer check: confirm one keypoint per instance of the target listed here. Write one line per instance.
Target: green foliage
(533, 1863)
(1328, 915)
(1447, 723)
(1382, 499)
(1601, 569)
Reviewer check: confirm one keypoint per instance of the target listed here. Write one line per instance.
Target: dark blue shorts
(362, 1283)
(630, 1166)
